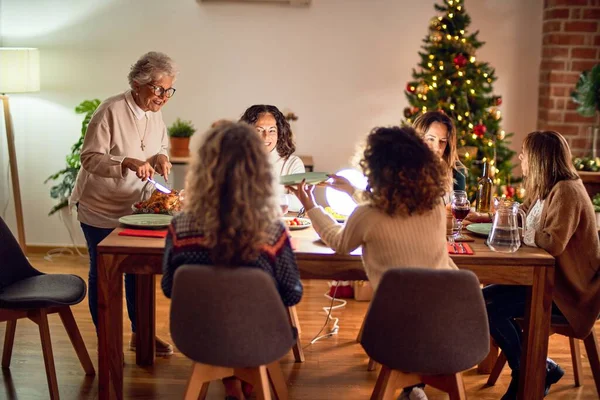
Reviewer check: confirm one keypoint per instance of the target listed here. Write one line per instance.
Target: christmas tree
(451, 79)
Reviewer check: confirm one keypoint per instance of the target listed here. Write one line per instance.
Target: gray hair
(151, 66)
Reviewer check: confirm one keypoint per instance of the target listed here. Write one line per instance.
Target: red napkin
(451, 249)
(144, 233)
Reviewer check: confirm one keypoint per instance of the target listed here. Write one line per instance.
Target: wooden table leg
(110, 326)
(145, 286)
(535, 339)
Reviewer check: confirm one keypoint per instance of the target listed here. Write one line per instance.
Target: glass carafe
(505, 235)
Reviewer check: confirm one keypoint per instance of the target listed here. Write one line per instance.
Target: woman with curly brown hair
(230, 216)
(403, 222)
(276, 133)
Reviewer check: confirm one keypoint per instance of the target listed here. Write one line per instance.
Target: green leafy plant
(596, 202)
(181, 129)
(587, 92)
(63, 189)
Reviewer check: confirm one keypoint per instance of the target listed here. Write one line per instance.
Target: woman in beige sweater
(125, 144)
(403, 222)
(560, 220)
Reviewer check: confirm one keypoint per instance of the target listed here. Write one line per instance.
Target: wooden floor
(335, 367)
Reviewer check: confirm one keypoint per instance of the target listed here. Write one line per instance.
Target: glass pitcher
(505, 235)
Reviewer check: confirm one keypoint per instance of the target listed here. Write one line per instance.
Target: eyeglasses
(159, 91)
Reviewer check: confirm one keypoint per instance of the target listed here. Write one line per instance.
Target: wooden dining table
(531, 267)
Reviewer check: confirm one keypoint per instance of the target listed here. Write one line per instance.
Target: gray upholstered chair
(230, 322)
(559, 325)
(425, 326)
(28, 293)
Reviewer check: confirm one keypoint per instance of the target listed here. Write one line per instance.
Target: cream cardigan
(388, 242)
(103, 192)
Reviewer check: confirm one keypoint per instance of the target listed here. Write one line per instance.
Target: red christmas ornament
(498, 101)
(510, 191)
(479, 130)
(460, 61)
(411, 88)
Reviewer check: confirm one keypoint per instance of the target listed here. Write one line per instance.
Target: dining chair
(559, 325)
(425, 326)
(26, 292)
(231, 322)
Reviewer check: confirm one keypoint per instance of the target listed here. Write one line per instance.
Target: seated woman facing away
(230, 216)
(278, 139)
(560, 220)
(403, 223)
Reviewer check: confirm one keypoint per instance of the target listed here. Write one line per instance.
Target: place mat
(144, 233)
(451, 249)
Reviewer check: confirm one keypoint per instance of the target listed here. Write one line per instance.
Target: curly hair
(229, 191)
(151, 66)
(405, 177)
(285, 138)
(549, 162)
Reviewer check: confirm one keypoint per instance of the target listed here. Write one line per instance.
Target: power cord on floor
(64, 251)
(335, 329)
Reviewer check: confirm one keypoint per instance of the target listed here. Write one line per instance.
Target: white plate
(146, 220)
(305, 223)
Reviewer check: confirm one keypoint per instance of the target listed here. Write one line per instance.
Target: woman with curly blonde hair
(230, 217)
(403, 222)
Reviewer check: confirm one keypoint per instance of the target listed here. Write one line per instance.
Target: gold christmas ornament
(501, 135)
(436, 37)
(435, 23)
(495, 113)
(422, 89)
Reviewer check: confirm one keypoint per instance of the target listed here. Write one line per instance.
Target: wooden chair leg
(576, 359)
(386, 384)
(259, 378)
(201, 375)
(451, 384)
(277, 381)
(9, 340)
(372, 366)
(593, 353)
(497, 370)
(68, 321)
(47, 351)
(297, 349)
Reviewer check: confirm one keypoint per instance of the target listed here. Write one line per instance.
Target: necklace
(142, 145)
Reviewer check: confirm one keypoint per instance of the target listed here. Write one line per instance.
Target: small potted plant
(179, 137)
(596, 202)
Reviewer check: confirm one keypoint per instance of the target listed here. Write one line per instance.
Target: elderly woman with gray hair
(125, 144)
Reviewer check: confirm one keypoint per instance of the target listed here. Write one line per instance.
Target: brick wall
(571, 44)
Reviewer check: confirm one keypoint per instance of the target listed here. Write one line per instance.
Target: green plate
(147, 220)
(311, 177)
(480, 229)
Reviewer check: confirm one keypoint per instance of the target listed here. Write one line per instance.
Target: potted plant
(62, 190)
(587, 96)
(179, 136)
(596, 202)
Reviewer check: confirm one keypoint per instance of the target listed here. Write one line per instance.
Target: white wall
(340, 65)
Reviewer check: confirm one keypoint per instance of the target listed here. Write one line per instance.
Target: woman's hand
(304, 193)
(142, 169)
(163, 166)
(340, 183)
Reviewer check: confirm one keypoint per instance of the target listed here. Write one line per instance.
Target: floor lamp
(19, 73)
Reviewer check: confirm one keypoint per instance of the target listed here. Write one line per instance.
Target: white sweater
(286, 166)
(103, 191)
(388, 242)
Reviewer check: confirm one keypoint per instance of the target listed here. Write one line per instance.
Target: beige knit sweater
(104, 192)
(568, 232)
(388, 242)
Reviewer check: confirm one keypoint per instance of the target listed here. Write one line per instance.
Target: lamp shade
(19, 70)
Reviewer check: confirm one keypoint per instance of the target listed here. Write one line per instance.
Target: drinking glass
(284, 202)
(460, 209)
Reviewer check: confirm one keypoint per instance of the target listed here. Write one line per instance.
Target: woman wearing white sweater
(277, 135)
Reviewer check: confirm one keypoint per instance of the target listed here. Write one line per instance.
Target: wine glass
(284, 202)
(460, 209)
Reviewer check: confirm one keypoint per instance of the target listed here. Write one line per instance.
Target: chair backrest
(427, 321)
(230, 317)
(14, 266)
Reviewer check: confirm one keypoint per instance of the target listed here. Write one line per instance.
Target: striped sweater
(185, 245)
